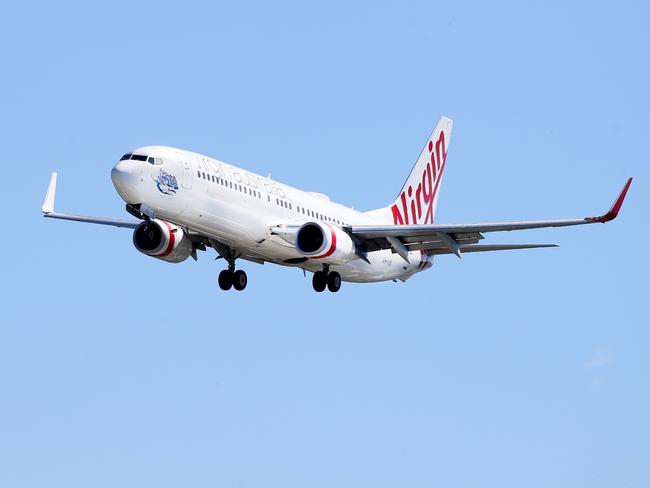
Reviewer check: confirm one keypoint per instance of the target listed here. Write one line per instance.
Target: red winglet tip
(613, 212)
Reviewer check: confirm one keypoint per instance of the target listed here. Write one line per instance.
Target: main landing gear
(326, 279)
(229, 278)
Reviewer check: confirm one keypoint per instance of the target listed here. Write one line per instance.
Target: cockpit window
(142, 157)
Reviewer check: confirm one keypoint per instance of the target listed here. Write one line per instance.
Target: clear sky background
(514, 369)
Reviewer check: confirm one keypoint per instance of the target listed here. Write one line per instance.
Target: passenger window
(198, 174)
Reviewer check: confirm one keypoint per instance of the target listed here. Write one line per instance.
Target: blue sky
(501, 370)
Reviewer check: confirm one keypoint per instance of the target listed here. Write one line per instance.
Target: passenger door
(188, 175)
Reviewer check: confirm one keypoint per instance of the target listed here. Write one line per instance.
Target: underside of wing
(488, 247)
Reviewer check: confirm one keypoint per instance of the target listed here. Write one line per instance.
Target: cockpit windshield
(141, 157)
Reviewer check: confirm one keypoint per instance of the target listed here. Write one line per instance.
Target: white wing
(457, 239)
(48, 211)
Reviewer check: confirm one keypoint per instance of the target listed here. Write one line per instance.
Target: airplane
(186, 202)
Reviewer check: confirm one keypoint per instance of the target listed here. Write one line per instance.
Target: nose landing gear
(326, 279)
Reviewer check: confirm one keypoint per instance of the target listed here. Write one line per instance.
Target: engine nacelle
(163, 240)
(327, 242)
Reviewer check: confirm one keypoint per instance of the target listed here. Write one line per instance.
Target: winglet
(613, 212)
(48, 203)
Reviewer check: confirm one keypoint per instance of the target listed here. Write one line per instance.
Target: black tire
(333, 281)
(225, 280)
(319, 281)
(240, 280)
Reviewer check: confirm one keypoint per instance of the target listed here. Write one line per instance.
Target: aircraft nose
(125, 176)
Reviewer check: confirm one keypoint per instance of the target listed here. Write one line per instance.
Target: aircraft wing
(461, 238)
(48, 211)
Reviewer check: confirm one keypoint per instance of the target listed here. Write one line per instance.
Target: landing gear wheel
(333, 281)
(240, 280)
(319, 281)
(225, 279)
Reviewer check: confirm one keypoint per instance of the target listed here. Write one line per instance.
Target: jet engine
(320, 240)
(163, 240)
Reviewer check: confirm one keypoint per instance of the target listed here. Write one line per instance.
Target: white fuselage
(239, 208)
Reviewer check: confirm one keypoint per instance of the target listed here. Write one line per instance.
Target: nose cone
(126, 176)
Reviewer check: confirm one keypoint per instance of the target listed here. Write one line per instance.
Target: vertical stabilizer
(416, 202)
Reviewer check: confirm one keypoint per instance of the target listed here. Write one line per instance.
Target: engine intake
(163, 240)
(320, 240)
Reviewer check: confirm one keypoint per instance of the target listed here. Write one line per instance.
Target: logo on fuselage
(417, 203)
(166, 183)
